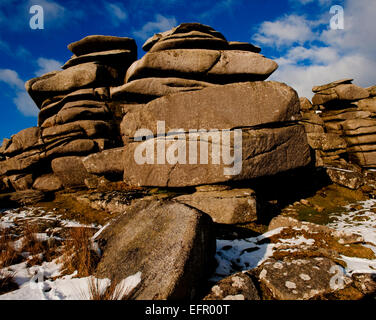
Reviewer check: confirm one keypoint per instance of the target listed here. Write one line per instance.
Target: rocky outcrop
(169, 243)
(75, 117)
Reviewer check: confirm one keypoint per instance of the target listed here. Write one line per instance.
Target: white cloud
(348, 53)
(47, 65)
(117, 13)
(25, 104)
(11, 78)
(160, 24)
(285, 31)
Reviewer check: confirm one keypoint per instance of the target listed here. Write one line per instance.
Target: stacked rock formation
(75, 118)
(192, 78)
(340, 123)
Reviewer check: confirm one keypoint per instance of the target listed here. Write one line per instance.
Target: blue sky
(295, 33)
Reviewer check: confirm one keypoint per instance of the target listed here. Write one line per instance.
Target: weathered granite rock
(77, 77)
(97, 43)
(22, 141)
(243, 46)
(77, 129)
(184, 28)
(189, 40)
(218, 107)
(51, 107)
(348, 92)
(70, 171)
(365, 159)
(20, 163)
(238, 286)
(299, 279)
(264, 152)
(331, 85)
(47, 182)
(367, 104)
(144, 90)
(200, 64)
(105, 162)
(227, 206)
(116, 58)
(326, 141)
(305, 104)
(79, 110)
(313, 123)
(349, 175)
(169, 243)
(21, 181)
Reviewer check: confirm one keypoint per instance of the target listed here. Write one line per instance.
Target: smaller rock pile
(75, 118)
(340, 123)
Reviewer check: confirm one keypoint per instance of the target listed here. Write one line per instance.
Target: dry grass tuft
(8, 255)
(115, 291)
(78, 255)
(7, 282)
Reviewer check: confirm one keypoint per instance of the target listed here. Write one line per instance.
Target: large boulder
(262, 152)
(219, 107)
(169, 243)
(207, 65)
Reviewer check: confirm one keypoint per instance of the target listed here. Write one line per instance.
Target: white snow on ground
(246, 254)
(36, 283)
(362, 222)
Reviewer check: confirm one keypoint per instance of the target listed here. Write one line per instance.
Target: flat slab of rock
(105, 162)
(217, 107)
(144, 90)
(238, 286)
(227, 206)
(52, 106)
(96, 43)
(169, 243)
(77, 129)
(79, 110)
(264, 152)
(77, 77)
(111, 57)
(331, 85)
(206, 65)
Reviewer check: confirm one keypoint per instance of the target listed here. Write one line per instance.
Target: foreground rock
(169, 243)
(226, 206)
(238, 286)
